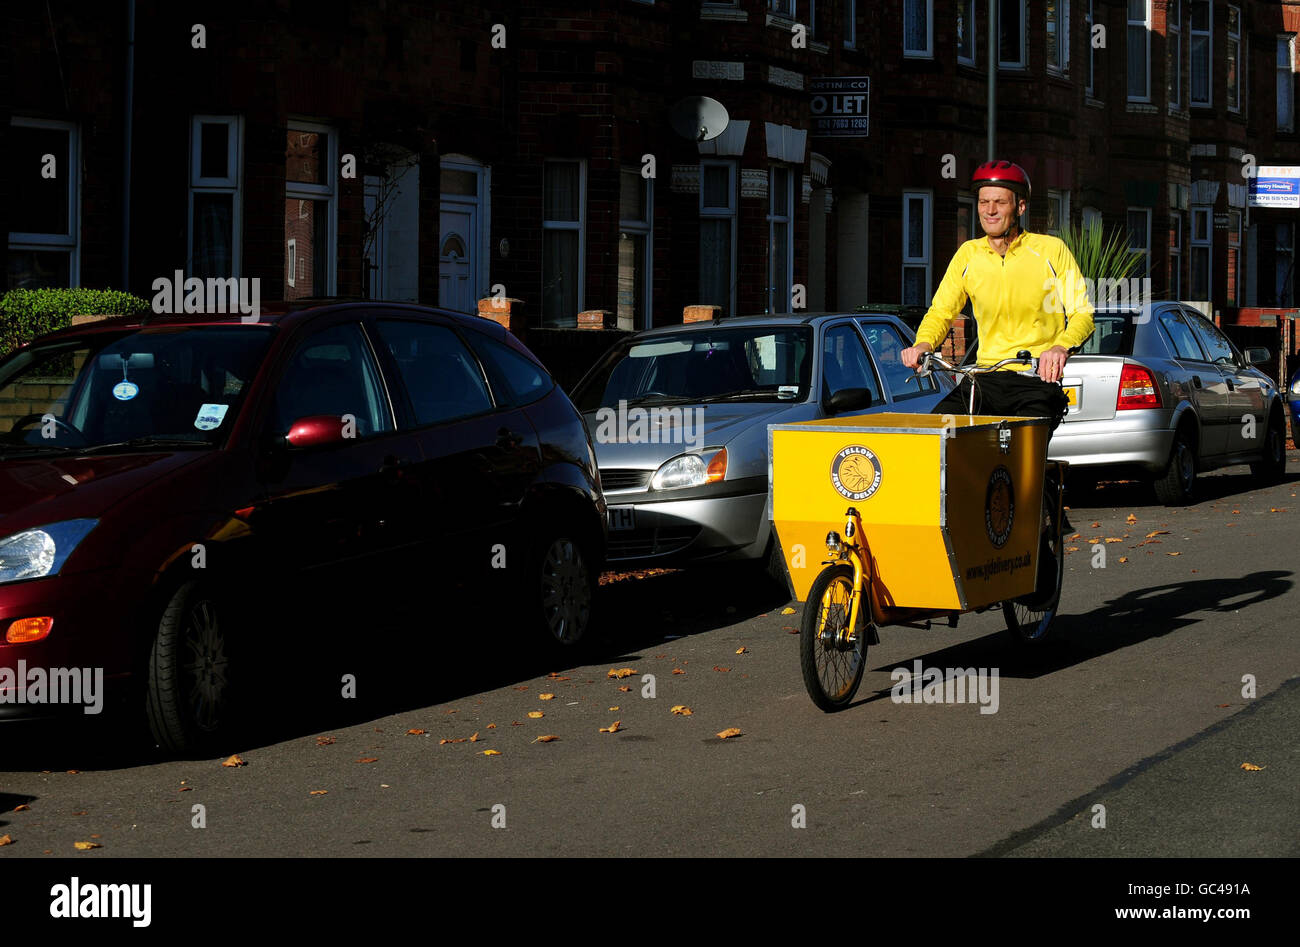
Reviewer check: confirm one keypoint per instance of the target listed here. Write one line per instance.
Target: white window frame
(1174, 51)
(328, 192)
(230, 184)
(1090, 216)
(1208, 33)
(1145, 24)
(969, 7)
(1090, 81)
(787, 218)
(1145, 250)
(1176, 255)
(69, 167)
(1062, 39)
(728, 213)
(1237, 107)
(928, 51)
(1023, 61)
(291, 261)
(911, 262)
(1235, 244)
(1205, 243)
(644, 228)
(850, 24)
(580, 225)
(1286, 81)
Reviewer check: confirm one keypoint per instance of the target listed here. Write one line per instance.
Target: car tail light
(1137, 389)
(26, 630)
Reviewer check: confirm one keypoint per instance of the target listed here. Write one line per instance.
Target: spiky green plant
(1101, 256)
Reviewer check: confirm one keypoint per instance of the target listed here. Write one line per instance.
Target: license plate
(621, 517)
(1072, 395)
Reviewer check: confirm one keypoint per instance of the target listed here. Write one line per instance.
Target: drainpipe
(126, 145)
(993, 81)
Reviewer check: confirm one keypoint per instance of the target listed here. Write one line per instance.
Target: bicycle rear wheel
(832, 659)
(1029, 618)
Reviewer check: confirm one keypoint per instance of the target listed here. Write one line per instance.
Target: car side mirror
(315, 430)
(849, 399)
(1257, 356)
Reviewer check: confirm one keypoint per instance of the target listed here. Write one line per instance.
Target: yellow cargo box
(951, 506)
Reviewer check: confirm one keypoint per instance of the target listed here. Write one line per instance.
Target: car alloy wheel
(206, 665)
(566, 591)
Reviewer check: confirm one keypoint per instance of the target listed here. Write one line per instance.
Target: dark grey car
(1159, 393)
(679, 417)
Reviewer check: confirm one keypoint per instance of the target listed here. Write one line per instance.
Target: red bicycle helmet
(1006, 174)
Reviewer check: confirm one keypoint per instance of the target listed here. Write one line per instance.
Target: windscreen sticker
(211, 416)
(125, 390)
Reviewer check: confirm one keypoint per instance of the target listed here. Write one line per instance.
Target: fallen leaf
(1130, 518)
(1251, 767)
(474, 737)
(1158, 532)
(492, 726)
(318, 792)
(1173, 554)
(522, 687)
(678, 671)
(1123, 558)
(546, 738)
(620, 673)
(536, 714)
(1273, 509)
(515, 723)
(86, 846)
(612, 728)
(787, 611)
(73, 772)
(1223, 705)
(729, 733)
(184, 789)
(625, 688)
(546, 697)
(368, 759)
(1236, 512)
(457, 740)
(23, 808)
(1076, 536)
(414, 733)
(450, 712)
(555, 677)
(324, 741)
(1071, 548)
(491, 752)
(718, 667)
(682, 710)
(234, 761)
(82, 812)
(741, 650)
(1113, 539)
(612, 709)
(6, 840)
(1096, 526)
(791, 630)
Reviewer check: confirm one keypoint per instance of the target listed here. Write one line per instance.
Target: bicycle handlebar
(929, 359)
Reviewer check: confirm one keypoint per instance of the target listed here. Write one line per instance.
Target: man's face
(998, 209)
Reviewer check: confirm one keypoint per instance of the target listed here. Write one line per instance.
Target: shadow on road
(403, 657)
(1218, 485)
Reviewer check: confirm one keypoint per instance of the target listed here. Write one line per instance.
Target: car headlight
(41, 551)
(1295, 386)
(691, 470)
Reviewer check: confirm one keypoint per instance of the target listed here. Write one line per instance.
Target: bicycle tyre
(831, 675)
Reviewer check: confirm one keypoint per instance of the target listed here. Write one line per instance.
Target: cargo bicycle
(946, 515)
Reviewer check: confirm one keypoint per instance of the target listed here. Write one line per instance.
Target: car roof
(769, 319)
(276, 313)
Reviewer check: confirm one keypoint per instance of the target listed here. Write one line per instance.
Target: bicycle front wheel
(831, 655)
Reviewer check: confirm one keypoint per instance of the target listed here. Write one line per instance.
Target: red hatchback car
(163, 477)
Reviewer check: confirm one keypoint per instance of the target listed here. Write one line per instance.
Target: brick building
(445, 152)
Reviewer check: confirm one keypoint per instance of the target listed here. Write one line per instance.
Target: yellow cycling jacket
(1033, 298)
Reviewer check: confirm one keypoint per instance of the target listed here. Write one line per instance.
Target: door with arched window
(462, 241)
(455, 286)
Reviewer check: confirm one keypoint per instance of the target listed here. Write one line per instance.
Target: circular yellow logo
(999, 507)
(855, 473)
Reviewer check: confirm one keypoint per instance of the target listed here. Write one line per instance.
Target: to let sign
(1275, 186)
(839, 106)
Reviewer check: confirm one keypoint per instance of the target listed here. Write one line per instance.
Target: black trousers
(1014, 394)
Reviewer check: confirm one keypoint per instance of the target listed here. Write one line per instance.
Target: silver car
(679, 418)
(1159, 393)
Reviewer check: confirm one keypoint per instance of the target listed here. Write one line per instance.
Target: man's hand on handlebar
(1051, 363)
(912, 357)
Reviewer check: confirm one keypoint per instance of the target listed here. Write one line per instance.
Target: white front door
(392, 204)
(462, 271)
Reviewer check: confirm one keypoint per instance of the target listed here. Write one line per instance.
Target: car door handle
(1231, 386)
(507, 438)
(1196, 381)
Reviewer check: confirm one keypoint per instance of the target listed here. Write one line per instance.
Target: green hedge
(28, 313)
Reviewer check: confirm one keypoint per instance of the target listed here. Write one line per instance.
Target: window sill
(1141, 108)
(728, 14)
(914, 54)
(817, 47)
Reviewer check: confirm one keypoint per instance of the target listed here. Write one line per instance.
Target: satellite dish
(699, 118)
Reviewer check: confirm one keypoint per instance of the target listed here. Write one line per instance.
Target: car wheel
(563, 586)
(1271, 467)
(1175, 487)
(189, 700)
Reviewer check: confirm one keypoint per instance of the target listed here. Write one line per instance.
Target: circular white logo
(855, 473)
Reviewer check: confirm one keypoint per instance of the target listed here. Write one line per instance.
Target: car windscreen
(1112, 334)
(751, 363)
(172, 385)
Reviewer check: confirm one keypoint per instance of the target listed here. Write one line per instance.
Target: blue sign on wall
(1275, 187)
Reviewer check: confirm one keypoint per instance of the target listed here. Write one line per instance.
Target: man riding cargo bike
(951, 512)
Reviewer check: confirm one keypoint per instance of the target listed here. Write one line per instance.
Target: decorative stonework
(807, 189)
(715, 69)
(819, 167)
(1138, 108)
(785, 78)
(828, 197)
(753, 182)
(686, 179)
(1237, 195)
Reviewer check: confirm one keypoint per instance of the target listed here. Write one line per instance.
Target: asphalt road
(1139, 707)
